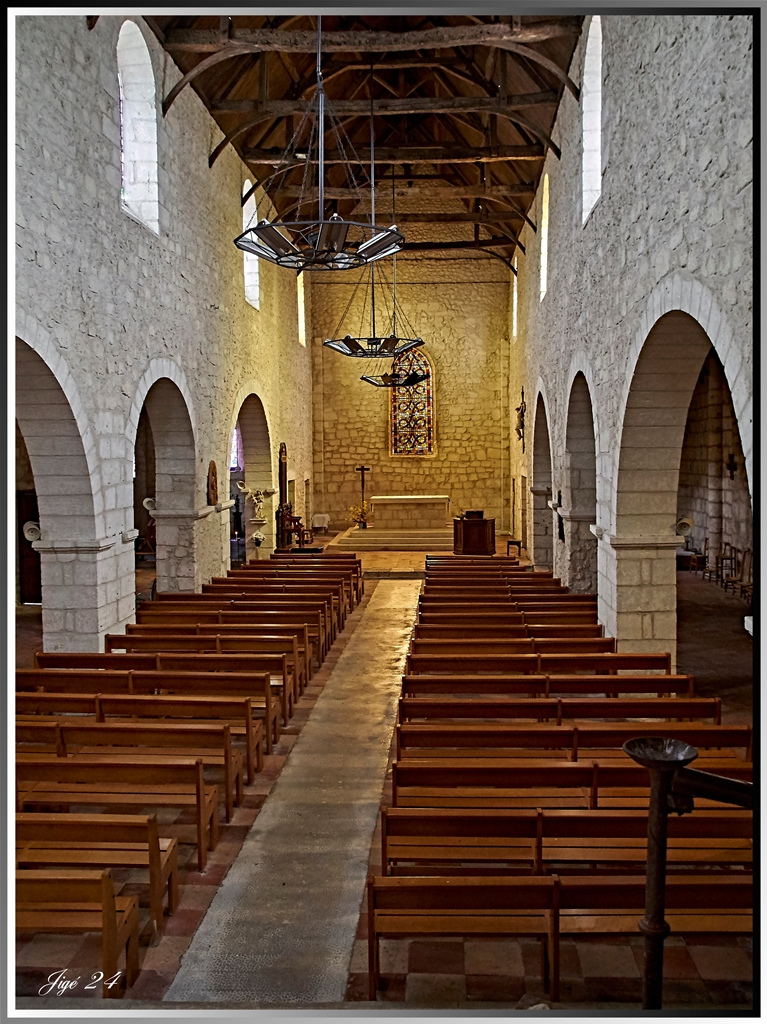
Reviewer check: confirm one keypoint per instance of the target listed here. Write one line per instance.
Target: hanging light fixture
(321, 243)
(386, 345)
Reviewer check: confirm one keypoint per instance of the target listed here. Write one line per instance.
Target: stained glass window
(412, 409)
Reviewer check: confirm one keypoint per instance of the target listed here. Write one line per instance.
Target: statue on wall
(520, 428)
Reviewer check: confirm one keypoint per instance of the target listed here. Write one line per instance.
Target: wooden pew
(311, 609)
(236, 711)
(559, 709)
(266, 589)
(497, 617)
(103, 841)
(158, 740)
(715, 903)
(254, 676)
(400, 908)
(340, 561)
(160, 627)
(516, 782)
(601, 740)
(541, 664)
(490, 631)
(533, 645)
(217, 646)
(271, 623)
(430, 841)
(100, 782)
(543, 686)
(71, 901)
(287, 571)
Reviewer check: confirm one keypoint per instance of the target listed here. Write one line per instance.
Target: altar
(410, 511)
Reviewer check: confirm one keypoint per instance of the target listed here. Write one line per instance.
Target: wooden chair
(722, 562)
(699, 559)
(730, 566)
(741, 575)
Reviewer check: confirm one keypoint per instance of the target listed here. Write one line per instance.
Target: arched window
(236, 454)
(544, 235)
(591, 99)
(138, 127)
(301, 310)
(250, 260)
(411, 415)
(514, 299)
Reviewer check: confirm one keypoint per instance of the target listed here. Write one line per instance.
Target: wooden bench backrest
(468, 617)
(528, 893)
(511, 685)
(178, 771)
(492, 631)
(198, 643)
(228, 708)
(30, 703)
(541, 664)
(538, 645)
(68, 888)
(94, 660)
(413, 708)
(720, 891)
(607, 735)
(72, 680)
(98, 828)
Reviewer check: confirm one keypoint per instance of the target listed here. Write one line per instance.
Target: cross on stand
(362, 470)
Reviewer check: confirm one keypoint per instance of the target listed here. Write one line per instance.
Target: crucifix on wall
(362, 470)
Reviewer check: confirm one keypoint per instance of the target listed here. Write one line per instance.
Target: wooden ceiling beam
(388, 107)
(411, 155)
(367, 41)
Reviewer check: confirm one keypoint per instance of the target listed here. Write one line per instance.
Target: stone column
(89, 590)
(637, 591)
(579, 561)
(176, 537)
(543, 527)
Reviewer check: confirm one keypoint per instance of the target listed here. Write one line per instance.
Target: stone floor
(454, 977)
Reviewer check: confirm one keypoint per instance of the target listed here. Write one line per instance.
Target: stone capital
(655, 543)
(542, 491)
(190, 514)
(77, 547)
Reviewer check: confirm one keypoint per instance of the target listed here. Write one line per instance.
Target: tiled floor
(711, 975)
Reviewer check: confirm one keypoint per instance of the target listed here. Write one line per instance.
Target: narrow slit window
(250, 264)
(514, 299)
(301, 310)
(544, 236)
(592, 118)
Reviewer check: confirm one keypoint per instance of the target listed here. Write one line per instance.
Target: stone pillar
(543, 528)
(579, 561)
(89, 590)
(639, 607)
(176, 537)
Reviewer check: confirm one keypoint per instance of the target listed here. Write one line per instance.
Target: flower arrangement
(258, 538)
(360, 513)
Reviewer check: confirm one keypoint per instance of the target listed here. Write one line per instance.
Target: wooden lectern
(474, 536)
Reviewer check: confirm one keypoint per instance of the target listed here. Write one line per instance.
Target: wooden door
(30, 584)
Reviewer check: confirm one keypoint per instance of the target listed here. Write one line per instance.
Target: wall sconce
(731, 466)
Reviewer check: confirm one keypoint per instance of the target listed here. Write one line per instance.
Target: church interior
(325, 324)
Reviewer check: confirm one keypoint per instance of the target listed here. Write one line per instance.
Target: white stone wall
(111, 307)
(671, 231)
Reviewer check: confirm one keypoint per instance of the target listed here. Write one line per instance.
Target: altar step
(372, 539)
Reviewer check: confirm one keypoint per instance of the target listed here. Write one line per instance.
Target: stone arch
(257, 453)
(169, 412)
(80, 561)
(543, 539)
(643, 544)
(682, 291)
(138, 127)
(580, 493)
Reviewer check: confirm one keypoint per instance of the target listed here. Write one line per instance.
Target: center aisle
(281, 927)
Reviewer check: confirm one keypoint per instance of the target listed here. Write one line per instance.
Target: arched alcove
(138, 127)
(172, 437)
(580, 494)
(543, 540)
(257, 468)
